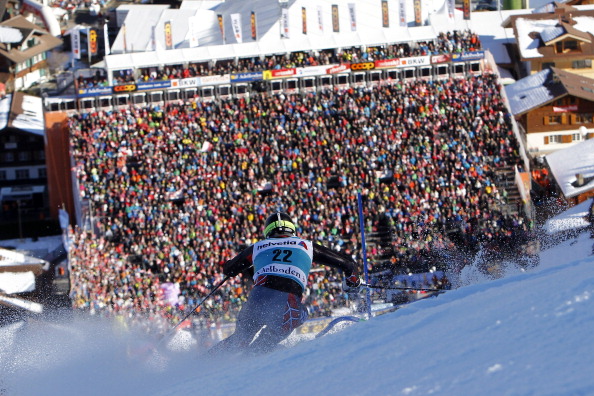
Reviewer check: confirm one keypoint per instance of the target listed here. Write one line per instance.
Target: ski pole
(401, 288)
(195, 308)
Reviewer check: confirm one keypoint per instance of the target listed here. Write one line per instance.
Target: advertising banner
(186, 82)
(221, 25)
(281, 73)
(320, 19)
(93, 42)
(335, 22)
(385, 14)
(95, 91)
(236, 25)
(75, 42)
(338, 69)
(303, 20)
(466, 56)
(416, 61)
(352, 17)
(441, 58)
(402, 12)
(168, 35)
(466, 9)
(246, 77)
(193, 31)
(451, 7)
(418, 13)
(254, 26)
(285, 23)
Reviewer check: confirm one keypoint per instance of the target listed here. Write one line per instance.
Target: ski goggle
(282, 225)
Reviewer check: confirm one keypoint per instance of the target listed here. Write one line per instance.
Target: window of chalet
(553, 139)
(547, 65)
(554, 119)
(565, 46)
(24, 156)
(22, 174)
(582, 64)
(576, 137)
(583, 118)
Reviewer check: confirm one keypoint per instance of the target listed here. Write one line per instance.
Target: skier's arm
(239, 263)
(326, 256)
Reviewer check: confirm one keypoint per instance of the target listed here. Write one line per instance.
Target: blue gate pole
(365, 270)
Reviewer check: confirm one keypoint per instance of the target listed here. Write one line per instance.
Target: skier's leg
(249, 322)
(288, 314)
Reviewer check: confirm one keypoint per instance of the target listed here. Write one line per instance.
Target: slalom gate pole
(403, 288)
(364, 251)
(214, 289)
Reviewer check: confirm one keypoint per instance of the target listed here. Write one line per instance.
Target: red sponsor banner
(564, 109)
(338, 69)
(280, 73)
(382, 64)
(441, 58)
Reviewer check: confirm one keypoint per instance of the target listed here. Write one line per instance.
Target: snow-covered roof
(143, 25)
(23, 112)
(532, 91)
(10, 35)
(13, 261)
(529, 44)
(565, 164)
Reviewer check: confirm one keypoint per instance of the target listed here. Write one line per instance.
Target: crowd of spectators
(446, 42)
(175, 191)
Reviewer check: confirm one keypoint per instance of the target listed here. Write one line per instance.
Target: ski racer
(280, 264)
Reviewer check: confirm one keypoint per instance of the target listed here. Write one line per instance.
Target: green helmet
(279, 224)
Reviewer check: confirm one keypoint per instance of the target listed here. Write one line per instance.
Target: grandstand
(174, 176)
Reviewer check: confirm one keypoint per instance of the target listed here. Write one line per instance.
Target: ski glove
(231, 270)
(352, 282)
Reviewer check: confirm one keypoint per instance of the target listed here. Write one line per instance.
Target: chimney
(579, 179)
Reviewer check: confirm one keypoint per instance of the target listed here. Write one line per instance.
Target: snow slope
(528, 333)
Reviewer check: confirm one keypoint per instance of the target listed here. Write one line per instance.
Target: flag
(193, 36)
(466, 10)
(168, 35)
(254, 26)
(335, 22)
(125, 40)
(285, 23)
(236, 25)
(93, 44)
(320, 19)
(385, 14)
(402, 12)
(106, 39)
(353, 17)
(303, 20)
(75, 42)
(418, 14)
(451, 8)
(221, 26)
